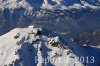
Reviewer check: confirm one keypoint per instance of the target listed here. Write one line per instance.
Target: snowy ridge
(78, 4)
(29, 46)
(15, 4)
(49, 4)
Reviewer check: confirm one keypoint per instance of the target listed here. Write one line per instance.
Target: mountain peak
(29, 44)
(34, 46)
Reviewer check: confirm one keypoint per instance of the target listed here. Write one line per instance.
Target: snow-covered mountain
(70, 13)
(21, 45)
(68, 17)
(35, 5)
(69, 22)
(33, 46)
(49, 4)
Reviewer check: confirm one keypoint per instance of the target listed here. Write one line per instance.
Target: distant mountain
(35, 5)
(67, 17)
(78, 20)
(29, 46)
(67, 21)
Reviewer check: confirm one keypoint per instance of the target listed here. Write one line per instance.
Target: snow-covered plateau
(33, 46)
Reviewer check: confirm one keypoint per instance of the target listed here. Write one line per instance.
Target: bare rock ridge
(33, 46)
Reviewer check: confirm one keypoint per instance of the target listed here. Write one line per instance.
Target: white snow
(14, 4)
(56, 48)
(88, 5)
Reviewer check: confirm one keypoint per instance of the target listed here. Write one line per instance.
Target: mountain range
(67, 17)
(49, 32)
(35, 5)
